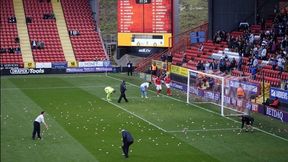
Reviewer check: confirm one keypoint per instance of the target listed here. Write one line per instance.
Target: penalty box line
(132, 113)
(202, 108)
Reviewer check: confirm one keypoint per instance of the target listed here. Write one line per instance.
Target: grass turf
(84, 127)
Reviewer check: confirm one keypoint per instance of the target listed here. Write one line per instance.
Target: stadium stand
(9, 41)
(227, 46)
(42, 29)
(85, 39)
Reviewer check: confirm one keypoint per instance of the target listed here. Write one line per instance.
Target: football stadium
(144, 80)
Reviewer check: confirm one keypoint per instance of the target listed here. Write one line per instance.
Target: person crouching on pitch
(109, 90)
(127, 140)
(158, 85)
(247, 120)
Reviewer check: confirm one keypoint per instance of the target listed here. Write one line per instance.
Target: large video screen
(144, 20)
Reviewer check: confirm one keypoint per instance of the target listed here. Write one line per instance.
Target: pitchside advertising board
(60, 68)
(145, 23)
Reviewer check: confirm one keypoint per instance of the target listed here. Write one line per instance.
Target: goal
(218, 92)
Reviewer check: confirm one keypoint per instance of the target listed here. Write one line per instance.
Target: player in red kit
(167, 81)
(158, 85)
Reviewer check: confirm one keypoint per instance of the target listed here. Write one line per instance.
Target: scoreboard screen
(139, 17)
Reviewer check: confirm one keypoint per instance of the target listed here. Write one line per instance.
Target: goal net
(226, 94)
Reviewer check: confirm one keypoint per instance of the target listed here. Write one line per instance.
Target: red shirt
(158, 81)
(167, 80)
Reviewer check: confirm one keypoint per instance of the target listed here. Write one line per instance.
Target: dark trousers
(123, 95)
(129, 71)
(36, 129)
(125, 148)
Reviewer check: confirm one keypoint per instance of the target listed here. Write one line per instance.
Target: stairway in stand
(23, 33)
(63, 31)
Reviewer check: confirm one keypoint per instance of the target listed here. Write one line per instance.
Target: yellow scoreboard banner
(145, 39)
(179, 70)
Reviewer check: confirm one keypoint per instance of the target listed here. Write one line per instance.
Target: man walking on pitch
(36, 125)
(122, 90)
(127, 141)
(109, 90)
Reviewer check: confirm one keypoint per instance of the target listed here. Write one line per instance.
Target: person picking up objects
(247, 121)
(144, 88)
(127, 140)
(36, 125)
(109, 90)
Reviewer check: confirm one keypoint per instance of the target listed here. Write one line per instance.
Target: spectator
(17, 50)
(17, 40)
(34, 44)
(255, 62)
(233, 64)
(240, 62)
(280, 64)
(275, 103)
(213, 65)
(201, 47)
(222, 65)
(263, 53)
(2, 50)
(200, 66)
(28, 20)
(184, 60)
(11, 50)
(12, 19)
(163, 57)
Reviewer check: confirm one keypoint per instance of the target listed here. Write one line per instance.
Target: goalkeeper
(109, 90)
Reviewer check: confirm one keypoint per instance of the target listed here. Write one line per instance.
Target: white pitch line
(203, 130)
(63, 87)
(202, 108)
(132, 113)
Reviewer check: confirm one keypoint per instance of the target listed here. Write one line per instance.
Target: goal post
(215, 90)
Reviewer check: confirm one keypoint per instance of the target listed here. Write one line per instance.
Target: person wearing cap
(127, 140)
(122, 90)
(109, 90)
(36, 125)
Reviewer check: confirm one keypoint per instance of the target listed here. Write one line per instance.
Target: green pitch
(84, 127)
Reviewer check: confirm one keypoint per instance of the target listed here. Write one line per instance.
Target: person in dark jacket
(129, 68)
(122, 91)
(127, 140)
(248, 121)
